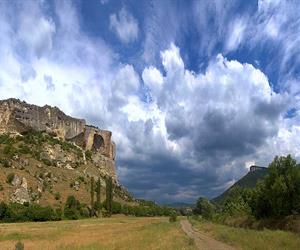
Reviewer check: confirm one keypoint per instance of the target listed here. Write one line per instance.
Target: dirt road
(203, 241)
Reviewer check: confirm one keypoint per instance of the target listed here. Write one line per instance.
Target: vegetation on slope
(248, 181)
(274, 202)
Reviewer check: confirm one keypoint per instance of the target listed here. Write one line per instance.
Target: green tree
(98, 193)
(279, 193)
(72, 208)
(109, 195)
(205, 208)
(92, 196)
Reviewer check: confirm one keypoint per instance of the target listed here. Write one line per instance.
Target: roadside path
(202, 240)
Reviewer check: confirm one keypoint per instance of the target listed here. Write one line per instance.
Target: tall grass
(107, 233)
(248, 238)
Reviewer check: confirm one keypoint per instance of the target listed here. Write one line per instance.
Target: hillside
(248, 181)
(45, 156)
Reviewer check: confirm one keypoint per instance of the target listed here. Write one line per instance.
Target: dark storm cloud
(173, 81)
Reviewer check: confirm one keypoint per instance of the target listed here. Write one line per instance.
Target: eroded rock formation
(20, 117)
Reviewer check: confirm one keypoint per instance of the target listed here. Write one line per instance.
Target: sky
(194, 92)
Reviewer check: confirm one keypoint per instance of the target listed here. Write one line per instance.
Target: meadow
(249, 239)
(119, 232)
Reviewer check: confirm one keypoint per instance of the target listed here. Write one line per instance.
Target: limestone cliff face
(19, 117)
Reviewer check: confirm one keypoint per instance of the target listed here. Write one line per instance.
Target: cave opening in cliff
(98, 142)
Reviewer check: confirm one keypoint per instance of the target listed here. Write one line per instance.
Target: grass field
(119, 232)
(250, 239)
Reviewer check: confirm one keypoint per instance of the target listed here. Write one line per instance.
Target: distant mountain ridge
(250, 180)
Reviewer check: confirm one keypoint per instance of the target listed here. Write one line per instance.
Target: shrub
(10, 177)
(57, 196)
(24, 149)
(5, 163)
(6, 139)
(9, 151)
(38, 213)
(4, 211)
(88, 155)
(205, 208)
(173, 218)
(19, 245)
(47, 162)
(72, 208)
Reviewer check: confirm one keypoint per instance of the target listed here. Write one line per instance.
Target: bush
(73, 209)
(4, 212)
(38, 213)
(205, 208)
(47, 162)
(9, 151)
(88, 155)
(173, 218)
(5, 163)
(19, 245)
(6, 139)
(57, 196)
(24, 149)
(10, 177)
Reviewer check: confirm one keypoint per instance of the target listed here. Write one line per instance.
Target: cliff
(48, 152)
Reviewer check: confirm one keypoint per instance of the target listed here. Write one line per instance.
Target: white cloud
(197, 132)
(124, 25)
(236, 34)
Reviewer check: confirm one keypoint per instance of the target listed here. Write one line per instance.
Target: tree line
(276, 196)
(73, 209)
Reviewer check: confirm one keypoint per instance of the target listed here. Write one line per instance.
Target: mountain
(46, 155)
(179, 205)
(255, 174)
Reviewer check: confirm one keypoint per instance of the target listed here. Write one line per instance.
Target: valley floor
(119, 232)
(248, 239)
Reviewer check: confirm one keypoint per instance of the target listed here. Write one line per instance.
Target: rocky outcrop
(21, 194)
(19, 117)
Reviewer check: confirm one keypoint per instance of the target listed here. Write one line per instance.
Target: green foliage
(237, 202)
(6, 139)
(279, 193)
(9, 150)
(248, 181)
(19, 246)
(74, 210)
(109, 196)
(10, 177)
(1, 187)
(92, 195)
(24, 149)
(205, 208)
(47, 162)
(57, 196)
(37, 213)
(98, 195)
(88, 155)
(276, 195)
(173, 217)
(5, 163)
(17, 212)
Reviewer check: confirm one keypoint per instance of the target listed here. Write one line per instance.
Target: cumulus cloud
(195, 133)
(124, 25)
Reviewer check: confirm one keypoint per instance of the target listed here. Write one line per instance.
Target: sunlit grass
(109, 233)
(250, 239)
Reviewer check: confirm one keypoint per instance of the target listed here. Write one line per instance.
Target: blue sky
(193, 91)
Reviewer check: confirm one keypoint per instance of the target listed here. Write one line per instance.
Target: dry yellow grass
(110, 233)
